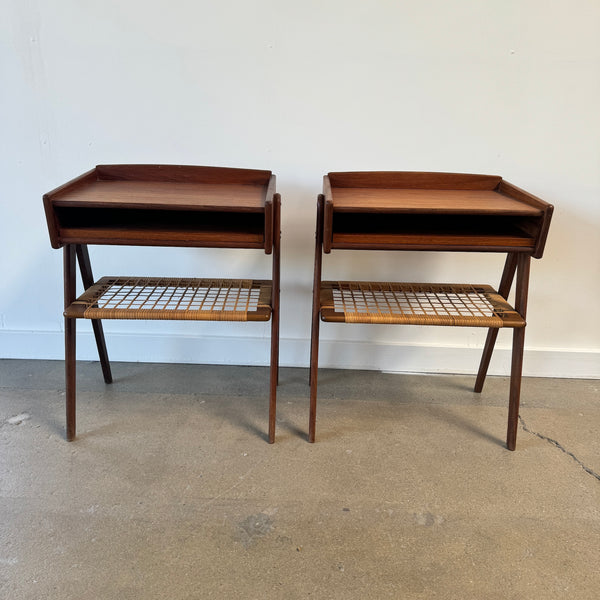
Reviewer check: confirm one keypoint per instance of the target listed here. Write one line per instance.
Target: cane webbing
(416, 304)
(175, 299)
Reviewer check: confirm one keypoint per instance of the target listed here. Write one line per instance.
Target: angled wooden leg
(70, 339)
(516, 370)
(314, 364)
(503, 289)
(85, 268)
(70, 377)
(316, 311)
(274, 376)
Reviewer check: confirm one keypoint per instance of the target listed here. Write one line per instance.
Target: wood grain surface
(168, 195)
(472, 202)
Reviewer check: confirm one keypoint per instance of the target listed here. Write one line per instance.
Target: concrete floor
(171, 491)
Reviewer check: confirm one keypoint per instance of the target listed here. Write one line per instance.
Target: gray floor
(172, 492)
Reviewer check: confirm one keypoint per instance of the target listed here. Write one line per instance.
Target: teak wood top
(166, 195)
(447, 193)
(470, 202)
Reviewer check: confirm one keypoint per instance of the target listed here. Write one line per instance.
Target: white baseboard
(392, 357)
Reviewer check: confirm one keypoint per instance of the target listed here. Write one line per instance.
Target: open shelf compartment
(77, 225)
(427, 231)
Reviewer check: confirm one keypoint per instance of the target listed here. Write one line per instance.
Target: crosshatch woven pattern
(178, 299)
(416, 304)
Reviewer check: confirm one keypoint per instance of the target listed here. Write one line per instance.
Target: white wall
(302, 88)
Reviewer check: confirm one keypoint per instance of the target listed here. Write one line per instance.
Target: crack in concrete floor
(560, 447)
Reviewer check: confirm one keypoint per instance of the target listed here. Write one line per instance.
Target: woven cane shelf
(174, 299)
(416, 304)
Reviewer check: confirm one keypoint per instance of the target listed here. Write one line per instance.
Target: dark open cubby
(392, 228)
(163, 226)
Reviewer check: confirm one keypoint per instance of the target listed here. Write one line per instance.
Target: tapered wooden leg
(314, 364)
(70, 378)
(486, 357)
(276, 351)
(70, 346)
(503, 289)
(316, 311)
(274, 374)
(516, 370)
(102, 352)
(87, 277)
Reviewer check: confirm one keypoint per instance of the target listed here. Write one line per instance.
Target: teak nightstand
(430, 212)
(165, 205)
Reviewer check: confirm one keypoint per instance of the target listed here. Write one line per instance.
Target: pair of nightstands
(187, 206)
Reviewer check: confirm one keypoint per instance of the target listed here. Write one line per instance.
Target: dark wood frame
(433, 212)
(162, 205)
